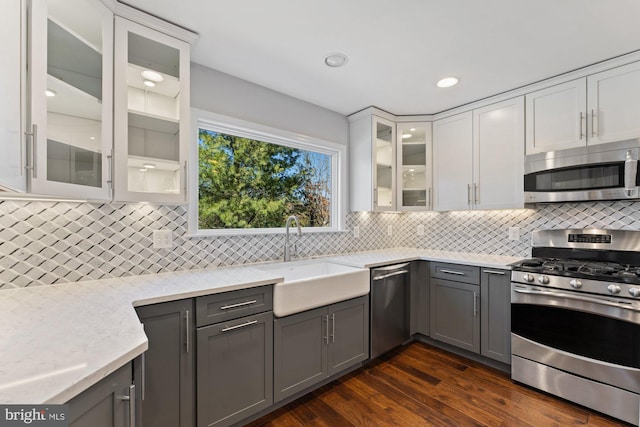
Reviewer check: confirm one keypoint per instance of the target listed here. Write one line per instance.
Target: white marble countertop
(58, 340)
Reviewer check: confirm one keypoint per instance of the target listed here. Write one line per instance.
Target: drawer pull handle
(240, 304)
(242, 325)
(501, 273)
(457, 273)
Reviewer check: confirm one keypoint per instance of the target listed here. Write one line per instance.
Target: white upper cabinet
(614, 104)
(498, 147)
(597, 109)
(372, 164)
(151, 115)
(70, 108)
(478, 158)
(556, 117)
(414, 166)
(12, 51)
(453, 162)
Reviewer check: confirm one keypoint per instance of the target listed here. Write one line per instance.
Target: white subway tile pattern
(47, 242)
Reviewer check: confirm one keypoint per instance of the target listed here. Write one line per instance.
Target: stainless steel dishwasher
(389, 308)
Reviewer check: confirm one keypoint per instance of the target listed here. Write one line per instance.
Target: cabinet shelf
(160, 164)
(153, 122)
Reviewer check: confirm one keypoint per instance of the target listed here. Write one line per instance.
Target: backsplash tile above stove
(47, 242)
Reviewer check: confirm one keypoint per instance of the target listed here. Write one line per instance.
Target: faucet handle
(295, 249)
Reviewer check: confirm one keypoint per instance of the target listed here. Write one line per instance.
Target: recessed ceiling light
(92, 138)
(152, 75)
(447, 82)
(149, 83)
(335, 60)
(50, 93)
(406, 135)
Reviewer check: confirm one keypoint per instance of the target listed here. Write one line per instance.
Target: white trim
(243, 128)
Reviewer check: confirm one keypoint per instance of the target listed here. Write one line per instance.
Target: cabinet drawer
(456, 272)
(232, 305)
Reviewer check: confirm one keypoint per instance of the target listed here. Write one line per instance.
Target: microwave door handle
(630, 173)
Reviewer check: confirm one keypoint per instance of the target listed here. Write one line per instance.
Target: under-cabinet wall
(45, 242)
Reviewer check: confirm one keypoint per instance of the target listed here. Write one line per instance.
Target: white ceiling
(398, 49)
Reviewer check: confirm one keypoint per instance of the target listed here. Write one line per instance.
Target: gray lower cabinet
(235, 369)
(495, 297)
(420, 297)
(455, 311)
(105, 404)
(165, 372)
(315, 344)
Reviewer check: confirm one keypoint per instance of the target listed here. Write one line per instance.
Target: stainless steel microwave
(596, 172)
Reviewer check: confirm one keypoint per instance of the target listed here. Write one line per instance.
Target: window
(251, 181)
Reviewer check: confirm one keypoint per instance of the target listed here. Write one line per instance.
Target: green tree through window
(245, 183)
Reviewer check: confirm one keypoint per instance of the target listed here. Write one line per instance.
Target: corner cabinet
(596, 109)
(372, 153)
(479, 158)
(316, 344)
(70, 99)
(151, 104)
(414, 166)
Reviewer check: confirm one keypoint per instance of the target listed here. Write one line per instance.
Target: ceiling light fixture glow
(412, 129)
(447, 82)
(335, 60)
(152, 75)
(149, 165)
(406, 135)
(50, 93)
(149, 83)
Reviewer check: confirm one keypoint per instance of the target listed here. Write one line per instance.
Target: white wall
(222, 93)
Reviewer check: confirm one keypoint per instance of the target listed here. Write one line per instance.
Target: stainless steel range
(575, 319)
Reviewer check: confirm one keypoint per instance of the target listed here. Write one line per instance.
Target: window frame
(224, 124)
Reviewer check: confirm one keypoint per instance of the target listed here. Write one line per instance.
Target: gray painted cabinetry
(420, 297)
(106, 404)
(495, 297)
(235, 355)
(315, 344)
(165, 373)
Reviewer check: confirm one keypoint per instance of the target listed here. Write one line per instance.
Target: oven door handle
(620, 304)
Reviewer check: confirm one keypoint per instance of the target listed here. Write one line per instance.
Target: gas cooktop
(604, 271)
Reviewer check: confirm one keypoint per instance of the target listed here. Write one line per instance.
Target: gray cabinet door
(455, 314)
(495, 297)
(235, 369)
(420, 297)
(300, 351)
(348, 334)
(166, 371)
(102, 405)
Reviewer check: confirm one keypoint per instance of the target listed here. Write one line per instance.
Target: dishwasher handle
(395, 273)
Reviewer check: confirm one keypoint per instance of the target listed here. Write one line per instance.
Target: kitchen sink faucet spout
(287, 242)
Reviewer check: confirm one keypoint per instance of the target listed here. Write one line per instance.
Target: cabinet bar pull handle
(187, 329)
(34, 151)
(429, 198)
(594, 132)
(242, 325)
(186, 175)
(131, 398)
(475, 193)
(581, 119)
(240, 304)
(469, 194)
(326, 336)
(333, 327)
(457, 273)
(501, 273)
(475, 304)
(110, 169)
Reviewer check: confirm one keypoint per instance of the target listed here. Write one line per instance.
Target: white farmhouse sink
(314, 283)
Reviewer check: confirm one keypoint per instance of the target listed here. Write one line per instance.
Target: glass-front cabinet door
(151, 121)
(70, 85)
(414, 166)
(384, 172)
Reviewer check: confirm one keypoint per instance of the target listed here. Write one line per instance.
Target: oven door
(593, 337)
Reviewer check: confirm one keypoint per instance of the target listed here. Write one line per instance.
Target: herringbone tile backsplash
(48, 242)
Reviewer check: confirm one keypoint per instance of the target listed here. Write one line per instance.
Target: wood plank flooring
(421, 385)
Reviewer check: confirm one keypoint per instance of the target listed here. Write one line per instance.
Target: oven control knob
(576, 283)
(613, 289)
(543, 280)
(634, 292)
(528, 278)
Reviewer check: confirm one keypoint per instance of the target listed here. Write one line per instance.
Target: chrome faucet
(287, 242)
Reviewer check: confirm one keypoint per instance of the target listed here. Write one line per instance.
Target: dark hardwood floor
(420, 385)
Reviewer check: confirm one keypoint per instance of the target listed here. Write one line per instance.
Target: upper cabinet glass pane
(153, 100)
(413, 164)
(74, 92)
(384, 164)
